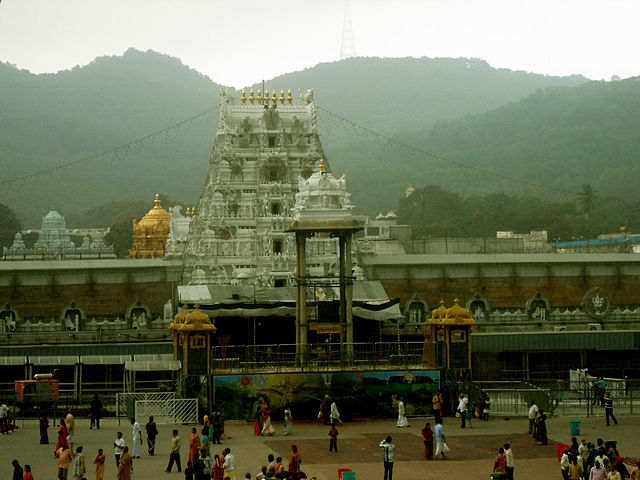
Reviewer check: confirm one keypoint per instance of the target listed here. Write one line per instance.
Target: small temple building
(150, 234)
(56, 242)
(54, 233)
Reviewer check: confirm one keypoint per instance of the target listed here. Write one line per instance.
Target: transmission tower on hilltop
(348, 47)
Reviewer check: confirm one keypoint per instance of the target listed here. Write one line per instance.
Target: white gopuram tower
(264, 144)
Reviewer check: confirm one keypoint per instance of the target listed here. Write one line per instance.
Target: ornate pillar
(301, 297)
(348, 294)
(343, 294)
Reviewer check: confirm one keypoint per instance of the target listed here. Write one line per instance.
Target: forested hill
(562, 137)
(51, 119)
(398, 94)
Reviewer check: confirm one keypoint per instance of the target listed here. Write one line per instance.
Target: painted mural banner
(357, 394)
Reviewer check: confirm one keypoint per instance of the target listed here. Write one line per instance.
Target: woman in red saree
(427, 438)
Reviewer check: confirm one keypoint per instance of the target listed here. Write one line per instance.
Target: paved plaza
(471, 456)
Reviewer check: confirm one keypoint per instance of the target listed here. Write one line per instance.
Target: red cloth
(62, 438)
(500, 465)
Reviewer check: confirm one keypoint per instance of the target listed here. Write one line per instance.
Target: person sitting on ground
(263, 473)
(271, 462)
(279, 468)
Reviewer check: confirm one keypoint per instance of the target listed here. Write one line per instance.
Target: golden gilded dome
(439, 314)
(150, 233)
(156, 216)
(198, 321)
(458, 315)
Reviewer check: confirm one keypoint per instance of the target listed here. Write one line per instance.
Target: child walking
(333, 442)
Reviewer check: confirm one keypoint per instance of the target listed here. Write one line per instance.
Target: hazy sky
(237, 43)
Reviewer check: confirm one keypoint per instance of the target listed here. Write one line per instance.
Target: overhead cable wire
(115, 150)
(390, 140)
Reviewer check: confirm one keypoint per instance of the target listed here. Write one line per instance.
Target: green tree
(9, 226)
(587, 200)
(30, 238)
(77, 239)
(120, 236)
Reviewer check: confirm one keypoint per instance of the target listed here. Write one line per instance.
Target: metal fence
(171, 411)
(126, 402)
(321, 356)
(514, 399)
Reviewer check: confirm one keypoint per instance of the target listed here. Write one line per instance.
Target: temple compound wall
(538, 313)
(526, 291)
(37, 297)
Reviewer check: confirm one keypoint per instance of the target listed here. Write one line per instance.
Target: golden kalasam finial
(193, 211)
(188, 212)
(266, 96)
(251, 97)
(244, 97)
(281, 97)
(275, 98)
(157, 201)
(322, 169)
(289, 97)
(259, 97)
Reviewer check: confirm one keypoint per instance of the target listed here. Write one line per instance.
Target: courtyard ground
(471, 456)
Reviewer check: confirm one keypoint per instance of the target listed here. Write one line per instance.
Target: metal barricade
(126, 402)
(171, 411)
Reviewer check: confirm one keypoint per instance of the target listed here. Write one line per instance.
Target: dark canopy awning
(369, 300)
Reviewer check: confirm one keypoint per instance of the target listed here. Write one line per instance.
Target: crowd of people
(71, 457)
(584, 461)
(202, 466)
(599, 461)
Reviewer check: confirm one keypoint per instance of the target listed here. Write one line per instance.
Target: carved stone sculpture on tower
(262, 146)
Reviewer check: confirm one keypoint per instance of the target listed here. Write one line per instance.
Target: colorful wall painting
(357, 394)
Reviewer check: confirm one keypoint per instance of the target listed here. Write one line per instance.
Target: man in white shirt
(136, 435)
(462, 408)
(438, 434)
(4, 418)
(564, 464)
(508, 453)
(118, 445)
(533, 411)
(389, 457)
(229, 464)
(335, 415)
